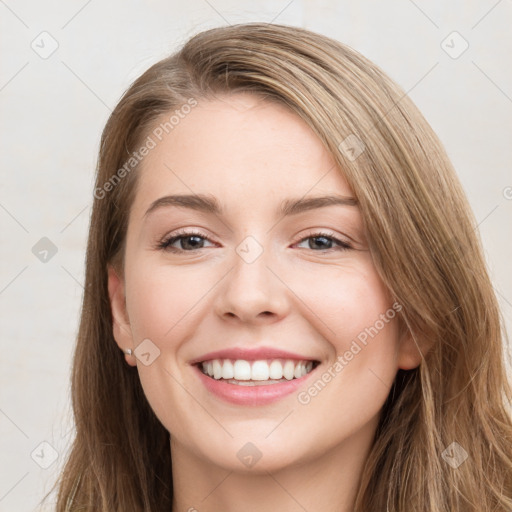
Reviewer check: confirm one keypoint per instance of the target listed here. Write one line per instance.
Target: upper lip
(253, 354)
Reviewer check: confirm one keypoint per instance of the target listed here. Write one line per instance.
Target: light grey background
(53, 110)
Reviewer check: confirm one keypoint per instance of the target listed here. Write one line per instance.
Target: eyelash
(165, 244)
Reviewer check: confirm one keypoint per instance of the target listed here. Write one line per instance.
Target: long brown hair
(423, 239)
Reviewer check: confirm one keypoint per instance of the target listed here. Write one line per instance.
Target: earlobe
(120, 321)
(411, 352)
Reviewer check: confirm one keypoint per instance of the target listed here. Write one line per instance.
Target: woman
(286, 304)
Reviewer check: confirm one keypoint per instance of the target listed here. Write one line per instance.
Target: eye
(188, 240)
(322, 241)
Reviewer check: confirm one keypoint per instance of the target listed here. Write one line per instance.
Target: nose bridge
(251, 288)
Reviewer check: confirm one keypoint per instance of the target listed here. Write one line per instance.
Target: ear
(411, 351)
(120, 321)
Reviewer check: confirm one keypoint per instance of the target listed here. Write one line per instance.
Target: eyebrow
(209, 204)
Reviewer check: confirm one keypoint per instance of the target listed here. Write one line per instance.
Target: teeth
(288, 370)
(242, 370)
(217, 369)
(271, 370)
(260, 370)
(276, 370)
(228, 371)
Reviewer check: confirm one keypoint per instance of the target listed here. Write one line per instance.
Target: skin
(251, 155)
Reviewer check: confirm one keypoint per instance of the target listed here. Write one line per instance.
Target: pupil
(193, 245)
(322, 238)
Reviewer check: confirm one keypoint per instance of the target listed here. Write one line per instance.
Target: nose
(252, 292)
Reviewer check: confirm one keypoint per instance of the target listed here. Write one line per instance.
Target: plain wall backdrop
(64, 66)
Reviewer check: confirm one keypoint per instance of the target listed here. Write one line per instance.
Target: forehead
(242, 147)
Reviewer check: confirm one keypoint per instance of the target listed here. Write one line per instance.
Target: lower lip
(250, 395)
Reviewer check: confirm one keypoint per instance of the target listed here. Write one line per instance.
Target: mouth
(262, 372)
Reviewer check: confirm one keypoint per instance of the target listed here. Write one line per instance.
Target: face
(270, 277)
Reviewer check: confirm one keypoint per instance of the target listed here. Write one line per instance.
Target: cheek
(352, 309)
(161, 299)
(346, 300)
(363, 336)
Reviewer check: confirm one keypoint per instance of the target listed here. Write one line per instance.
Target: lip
(253, 354)
(251, 395)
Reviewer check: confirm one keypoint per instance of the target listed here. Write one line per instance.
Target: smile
(254, 373)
